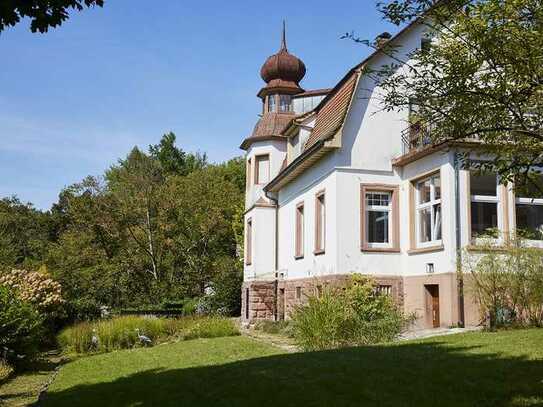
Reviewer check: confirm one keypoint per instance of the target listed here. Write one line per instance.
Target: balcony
(416, 137)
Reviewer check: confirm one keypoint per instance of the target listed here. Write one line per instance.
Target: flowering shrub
(20, 327)
(37, 289)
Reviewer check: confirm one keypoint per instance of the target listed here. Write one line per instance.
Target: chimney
(382, 39)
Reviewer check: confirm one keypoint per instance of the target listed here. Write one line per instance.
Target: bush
(357, 315)
(20, 327)
(122, 332)
(225, 298)
(37, 289)
(508, 284)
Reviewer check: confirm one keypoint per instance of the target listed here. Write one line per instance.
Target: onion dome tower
(282, 73)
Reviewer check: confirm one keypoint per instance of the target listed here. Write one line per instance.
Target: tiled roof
(270, 125)
(312, 92)
(332, 112)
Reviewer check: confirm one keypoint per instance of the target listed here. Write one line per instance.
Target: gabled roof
(331, 115)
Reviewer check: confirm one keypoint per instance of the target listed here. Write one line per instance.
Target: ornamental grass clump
(128, 332)
(357, 315)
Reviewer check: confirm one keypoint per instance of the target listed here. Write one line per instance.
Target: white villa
(337, 186)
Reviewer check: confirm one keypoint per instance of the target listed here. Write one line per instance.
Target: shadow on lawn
(407, 375)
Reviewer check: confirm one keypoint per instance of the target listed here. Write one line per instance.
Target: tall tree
(43, 14)
(479, 76)
(173, 160)
(135, 185)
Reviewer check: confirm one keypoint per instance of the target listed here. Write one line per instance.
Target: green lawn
(475, 369)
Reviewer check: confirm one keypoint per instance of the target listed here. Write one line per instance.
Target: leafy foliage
(158, 226)
(44, 14)
(24, 233)
(20, 327)
(508, 284)
(357, 315)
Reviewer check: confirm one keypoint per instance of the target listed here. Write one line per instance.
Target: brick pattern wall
(262, 301)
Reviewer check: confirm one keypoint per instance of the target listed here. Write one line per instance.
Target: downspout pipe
(459, 272)
(276, 257)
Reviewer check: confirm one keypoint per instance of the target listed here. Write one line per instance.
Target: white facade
(370, 142)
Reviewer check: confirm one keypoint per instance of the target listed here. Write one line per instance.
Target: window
(320, 223)
(298, 293)
(285, 103)
(262, 169)
(248, 183)
(484, 204)
(299, 249)
(271, 103)
(428, 211)
(379, 217)
(249, 242)
(529, 211)
(384, 290)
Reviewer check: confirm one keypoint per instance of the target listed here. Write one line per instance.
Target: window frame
(431, 203)
(500, 199)
(273, 106)
(257, 166)
(249, 241)
(299, 234)
(282, 97)
(394, 211)
(320, 223)
(522, 200)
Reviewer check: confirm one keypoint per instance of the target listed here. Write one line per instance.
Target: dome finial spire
(284, 37)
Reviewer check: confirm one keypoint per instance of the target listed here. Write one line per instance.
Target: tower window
(262, 169)
(271, 103)
(285, 103)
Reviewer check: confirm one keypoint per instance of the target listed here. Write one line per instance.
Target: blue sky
(76, 99)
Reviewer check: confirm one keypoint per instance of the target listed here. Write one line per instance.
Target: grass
(23, 389)
(473, 369)
(122, 332)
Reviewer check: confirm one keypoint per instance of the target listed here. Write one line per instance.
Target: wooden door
(433, 304)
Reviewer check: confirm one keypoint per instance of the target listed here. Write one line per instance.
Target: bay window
(529, 211)
(428, 213)
(484, 205)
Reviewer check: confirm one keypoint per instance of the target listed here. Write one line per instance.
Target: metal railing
(416, 137)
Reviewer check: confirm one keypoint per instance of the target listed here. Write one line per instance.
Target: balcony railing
(416, 137)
